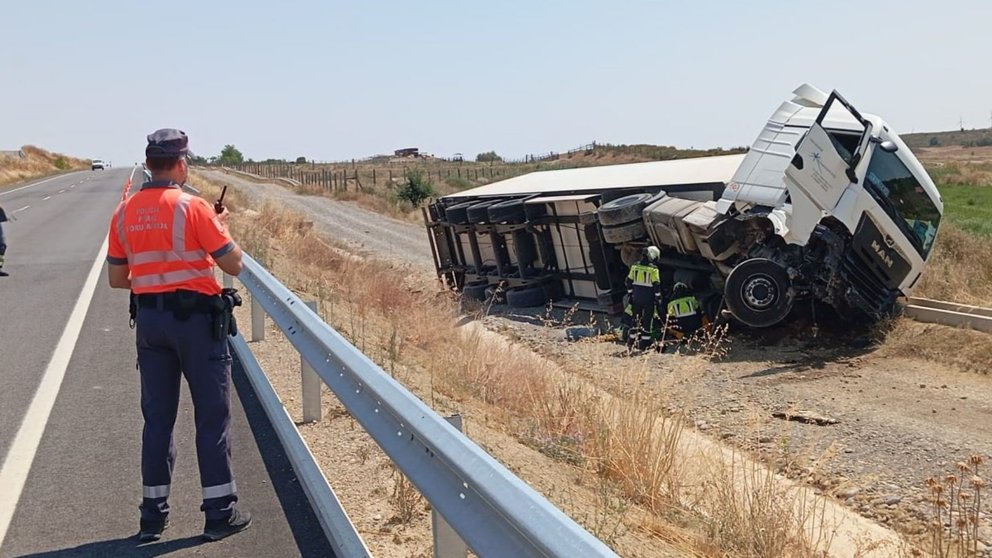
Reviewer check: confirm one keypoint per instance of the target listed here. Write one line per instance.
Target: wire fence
(364, 177)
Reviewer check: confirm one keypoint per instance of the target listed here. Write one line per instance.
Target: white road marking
(62, 191)
(21, 209)
(17, 464)
(46, 198)
(30, 185)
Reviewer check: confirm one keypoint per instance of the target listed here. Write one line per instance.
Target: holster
(224, 323)
(132, 310)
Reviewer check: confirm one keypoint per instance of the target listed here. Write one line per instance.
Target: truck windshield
(904, 199)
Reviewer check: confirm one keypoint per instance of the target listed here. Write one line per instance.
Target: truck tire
(623, 210)
(526, 298)
(758, 293)
(475, 291)
(619, 234)
(479, 213)
(457, 214)
(507, 211)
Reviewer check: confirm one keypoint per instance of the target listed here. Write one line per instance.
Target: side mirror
(887, 146)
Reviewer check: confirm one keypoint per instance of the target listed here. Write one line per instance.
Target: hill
(31, 162)
(965, 138)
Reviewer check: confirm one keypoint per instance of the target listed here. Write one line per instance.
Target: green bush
(61, 163)
(488, 157)
(417, 188)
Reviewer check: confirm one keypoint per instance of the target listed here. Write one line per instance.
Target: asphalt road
(83, 485)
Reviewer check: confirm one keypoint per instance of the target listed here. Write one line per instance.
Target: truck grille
(870, 293)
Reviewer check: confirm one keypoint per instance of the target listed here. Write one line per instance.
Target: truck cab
(849, 214)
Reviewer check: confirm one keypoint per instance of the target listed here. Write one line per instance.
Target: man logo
(882, 254)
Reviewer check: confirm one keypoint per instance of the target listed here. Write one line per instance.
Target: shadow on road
(127, 546)
(307, 533)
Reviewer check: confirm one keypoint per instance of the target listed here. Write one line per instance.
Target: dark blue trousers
(168, 349)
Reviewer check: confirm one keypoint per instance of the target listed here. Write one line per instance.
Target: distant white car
(98, 164)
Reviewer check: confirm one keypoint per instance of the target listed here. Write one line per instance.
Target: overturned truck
(827, 205)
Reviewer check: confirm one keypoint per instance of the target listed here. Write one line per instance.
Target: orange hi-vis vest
(168, 239)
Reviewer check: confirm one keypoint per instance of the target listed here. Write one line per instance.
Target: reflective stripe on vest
(168, 278)
(644, 275)
(682, 307)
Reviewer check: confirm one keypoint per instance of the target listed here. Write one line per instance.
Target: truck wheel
(475, 291)
(623, 210)
(457, 214)
(525, 298)
(479, 213)
(758, 293)
(619, 234)
(507, 211)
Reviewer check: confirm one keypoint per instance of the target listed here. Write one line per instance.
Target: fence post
(447, 543)
(311, 385)
(257, 320)
(373, 177)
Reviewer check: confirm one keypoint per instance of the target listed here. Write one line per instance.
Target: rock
(807, 417)
(377, 517)
(892, 500)
(847, 492)
(580, 332)
(765, 440)
(702, 425)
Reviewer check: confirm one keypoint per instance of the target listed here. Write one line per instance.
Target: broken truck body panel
(827, 204)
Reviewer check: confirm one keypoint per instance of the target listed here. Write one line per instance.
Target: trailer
(828, 204)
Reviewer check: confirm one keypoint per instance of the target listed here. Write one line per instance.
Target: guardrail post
(311, 384)
(228, 281)
(257, 320)
(447, 543)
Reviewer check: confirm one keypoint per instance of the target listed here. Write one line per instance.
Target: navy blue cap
(167, 143)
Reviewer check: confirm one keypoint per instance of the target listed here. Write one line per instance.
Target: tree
(301, 160)
(230, 156)
(416, 189)
(934, 141)
(488, 157)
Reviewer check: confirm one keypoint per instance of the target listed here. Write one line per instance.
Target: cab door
(825, 162)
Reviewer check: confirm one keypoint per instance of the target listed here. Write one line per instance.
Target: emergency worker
(163, 246)
(3, 243)
(685, 314)
(644, 289)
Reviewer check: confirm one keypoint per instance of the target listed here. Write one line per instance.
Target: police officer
(644, 289)
(3, 243)
(163, 245)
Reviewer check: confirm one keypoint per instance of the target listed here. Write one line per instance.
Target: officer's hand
(223, 215)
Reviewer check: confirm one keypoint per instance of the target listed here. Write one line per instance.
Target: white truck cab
(823, 173)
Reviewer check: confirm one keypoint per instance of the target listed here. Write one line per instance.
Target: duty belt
(181, 302)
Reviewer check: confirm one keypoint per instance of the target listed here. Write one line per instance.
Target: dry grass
(960, 268)
(36, 163)
(956, 505)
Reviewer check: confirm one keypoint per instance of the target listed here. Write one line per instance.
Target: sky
(334, 80)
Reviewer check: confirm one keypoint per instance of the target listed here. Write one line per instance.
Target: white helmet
(652, 252)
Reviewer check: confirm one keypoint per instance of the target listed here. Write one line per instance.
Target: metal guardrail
(492, 510)
(949, 313)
